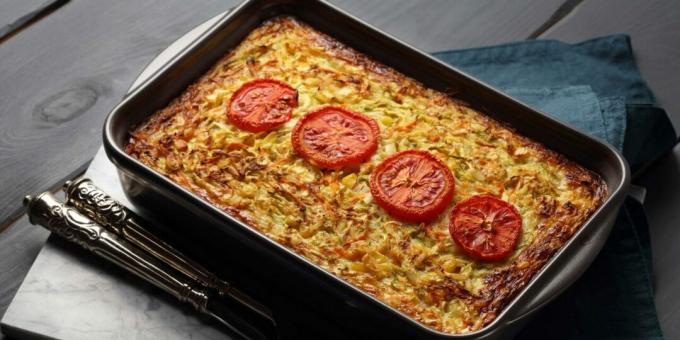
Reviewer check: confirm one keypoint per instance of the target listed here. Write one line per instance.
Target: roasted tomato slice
(262, 104)
(486, 227)
(333, 137)
(412, 185)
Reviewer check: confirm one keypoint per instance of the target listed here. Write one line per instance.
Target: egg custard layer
(329, 216)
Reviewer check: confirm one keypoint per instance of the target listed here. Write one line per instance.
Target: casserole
(171, 80)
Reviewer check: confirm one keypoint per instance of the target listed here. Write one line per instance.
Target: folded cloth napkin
(595, 87)
(605, 64)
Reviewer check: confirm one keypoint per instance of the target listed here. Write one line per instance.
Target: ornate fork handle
(96, 204)
(68, 223)
(100, 207)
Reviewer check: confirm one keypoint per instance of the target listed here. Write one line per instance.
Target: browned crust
(503, 283)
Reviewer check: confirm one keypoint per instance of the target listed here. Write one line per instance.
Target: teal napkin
(605, 64)
(595, 87)
(604, 119)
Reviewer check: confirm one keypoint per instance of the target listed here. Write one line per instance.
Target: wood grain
(436, 25)
(9, 14)
(61, 76)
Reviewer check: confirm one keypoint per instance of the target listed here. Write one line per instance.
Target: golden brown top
(329, 216)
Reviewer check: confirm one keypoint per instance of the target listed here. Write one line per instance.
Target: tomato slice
(413, 185)
(486, 227)
(333, 137)
(262, 104)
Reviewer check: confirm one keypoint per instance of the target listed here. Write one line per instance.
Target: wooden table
(61, 75)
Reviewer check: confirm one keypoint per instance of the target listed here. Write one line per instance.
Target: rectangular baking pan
(230, 244)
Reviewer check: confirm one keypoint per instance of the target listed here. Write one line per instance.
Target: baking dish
(142, 183)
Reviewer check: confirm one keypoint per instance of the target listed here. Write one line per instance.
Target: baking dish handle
(559, 276)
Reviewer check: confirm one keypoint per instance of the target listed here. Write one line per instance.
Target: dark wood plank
(26, 20)
(654, 27)
(63, 74)
(10, 11)
(436, 25)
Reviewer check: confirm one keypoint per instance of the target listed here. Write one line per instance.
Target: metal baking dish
(220, 236)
